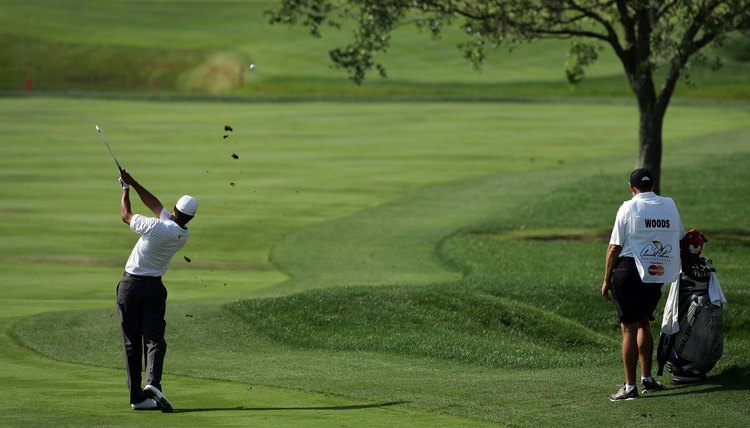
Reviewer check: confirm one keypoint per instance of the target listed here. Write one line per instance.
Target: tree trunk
(650, 143)
(651, 119)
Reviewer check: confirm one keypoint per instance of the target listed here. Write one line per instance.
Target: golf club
(108, 148)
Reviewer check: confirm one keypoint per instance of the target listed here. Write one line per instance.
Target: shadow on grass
(318, 408)
(734, 378)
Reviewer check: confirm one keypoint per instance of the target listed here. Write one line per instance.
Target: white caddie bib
(655, 239)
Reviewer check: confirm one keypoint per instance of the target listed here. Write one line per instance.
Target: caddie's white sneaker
(621, 395)
(147, 404)
(161, 400)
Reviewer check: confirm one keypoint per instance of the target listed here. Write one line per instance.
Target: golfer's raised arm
(125, 211)
(151, 201)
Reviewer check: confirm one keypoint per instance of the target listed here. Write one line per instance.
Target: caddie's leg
(645, 347)
(630, 350)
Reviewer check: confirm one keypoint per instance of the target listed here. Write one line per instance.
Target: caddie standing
(643, 255)
(141, 295)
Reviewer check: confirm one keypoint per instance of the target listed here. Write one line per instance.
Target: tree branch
(612, 37)
(588, 11)
(627, 52)
(572, 33)
(666, 8)
(688, 46)
(626, 21)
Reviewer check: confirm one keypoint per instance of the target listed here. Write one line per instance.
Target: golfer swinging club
(141, 295)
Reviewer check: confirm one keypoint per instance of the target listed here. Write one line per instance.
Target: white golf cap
(187, 205)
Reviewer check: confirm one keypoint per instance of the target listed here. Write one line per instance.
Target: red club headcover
(692, 243)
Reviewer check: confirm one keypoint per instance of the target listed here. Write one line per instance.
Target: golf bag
(692, 351)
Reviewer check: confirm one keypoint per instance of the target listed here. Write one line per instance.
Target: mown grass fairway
(457, 311)
(384, 255)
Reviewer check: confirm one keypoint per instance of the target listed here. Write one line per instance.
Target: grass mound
(567, 259)
(454, 323)
(524, 301)
(60, 66)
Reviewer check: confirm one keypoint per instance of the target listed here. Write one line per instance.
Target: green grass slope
(420, 273)
(329, 336)
(206, 47)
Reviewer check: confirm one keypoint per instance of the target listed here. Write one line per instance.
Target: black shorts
(634, 299)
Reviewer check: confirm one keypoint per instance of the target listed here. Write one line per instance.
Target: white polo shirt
(648, 227)
(160, 239)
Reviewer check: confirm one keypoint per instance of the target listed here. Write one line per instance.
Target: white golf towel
(715, 293)
(670, 321)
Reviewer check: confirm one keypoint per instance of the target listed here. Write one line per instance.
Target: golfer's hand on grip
(126, 178)
(123, 184)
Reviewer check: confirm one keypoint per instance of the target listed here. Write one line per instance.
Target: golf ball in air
(252, 66)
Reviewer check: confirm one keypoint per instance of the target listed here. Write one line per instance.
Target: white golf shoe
(147, 404)
(161, 400)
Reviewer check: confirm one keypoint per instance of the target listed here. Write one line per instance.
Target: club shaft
(110, 149)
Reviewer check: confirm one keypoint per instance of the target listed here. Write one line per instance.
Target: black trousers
(634, 299)
(141, 304)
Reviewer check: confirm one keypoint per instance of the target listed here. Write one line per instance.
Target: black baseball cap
(642, 177)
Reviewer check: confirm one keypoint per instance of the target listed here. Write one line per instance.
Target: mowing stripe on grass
(343, 160)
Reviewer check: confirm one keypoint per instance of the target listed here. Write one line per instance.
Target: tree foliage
(646, 36)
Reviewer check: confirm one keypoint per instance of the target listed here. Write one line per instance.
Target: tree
(653, 39)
